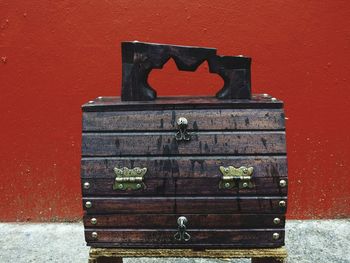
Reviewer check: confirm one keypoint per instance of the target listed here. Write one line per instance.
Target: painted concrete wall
(56, 55)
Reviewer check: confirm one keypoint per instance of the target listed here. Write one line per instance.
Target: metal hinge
(129, 179)
(236, 177)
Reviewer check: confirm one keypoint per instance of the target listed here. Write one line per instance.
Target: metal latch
(129, 179)
(233, 177)
(181, 234)
(182, 134)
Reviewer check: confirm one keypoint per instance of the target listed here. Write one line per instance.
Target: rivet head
(275, 236)
(138, 186)
(88, 204)
(283, 183)
(93, 221)
(227, 185)
(276, 221)
(245, 185)
(94, 235)
(120, 186)
(282, 203)
(86, 185)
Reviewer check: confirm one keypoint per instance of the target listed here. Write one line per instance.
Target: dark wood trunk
(183, 177)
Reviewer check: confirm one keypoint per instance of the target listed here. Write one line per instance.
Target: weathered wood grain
(206, 253)
(267, 186)
(184, 167)
(198, 120)
(258, 101)
(206, 221)
(185, 205)
(165, 237)
(165, 144)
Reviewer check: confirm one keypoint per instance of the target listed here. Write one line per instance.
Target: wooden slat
(202, 205)
(198, 120)
(178, 253)
(267, 186)
(165, 237)
(184, 167)
(202, 143)
(208, 221)
(258, 101)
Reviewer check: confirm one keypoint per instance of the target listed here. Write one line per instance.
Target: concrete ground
(321, 241)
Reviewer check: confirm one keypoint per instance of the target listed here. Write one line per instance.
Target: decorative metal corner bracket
(236, 177)
(129, 179)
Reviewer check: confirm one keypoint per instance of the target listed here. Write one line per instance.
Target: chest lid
(258, 101)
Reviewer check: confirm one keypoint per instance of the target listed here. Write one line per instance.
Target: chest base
(260, 255)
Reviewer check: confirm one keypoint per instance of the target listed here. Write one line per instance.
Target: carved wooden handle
(139, 58)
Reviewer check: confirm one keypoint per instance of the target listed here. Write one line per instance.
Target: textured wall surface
(56, 55)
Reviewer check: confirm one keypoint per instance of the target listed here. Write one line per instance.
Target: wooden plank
(185, 205)
(202, 143)
(184, 167)
(198, 120)
(267, 186)
(207, 221)
(190, 253)
(165, 237)
(258, 101)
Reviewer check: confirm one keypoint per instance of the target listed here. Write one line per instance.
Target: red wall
(56, 56)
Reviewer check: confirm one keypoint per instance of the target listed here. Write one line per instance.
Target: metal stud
(120, 186)
(276, 221)
(93, 221)
(273, 99)
(227, 185)
(282, 203)
(265, 95)
(91, 102)
(138, 186)
(283, 183)
(88, 204)
(86, 185)
(94, 235)
(275, 236)
(245, 185)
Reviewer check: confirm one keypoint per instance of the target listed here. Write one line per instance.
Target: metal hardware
(86, 185)
(94, 235)
(275, 236)
(181, 234)
(93, 221)
(282, 203)
(88, 204)
(91, 102)
(129, 179)
(276, 221)
(232, 177)
(283, 183)
(273, 99)
(182, 134)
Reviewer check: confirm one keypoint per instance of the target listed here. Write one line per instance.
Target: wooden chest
(184, 172)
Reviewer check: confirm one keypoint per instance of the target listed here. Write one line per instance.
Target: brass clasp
(232, 177)
(129, 179)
